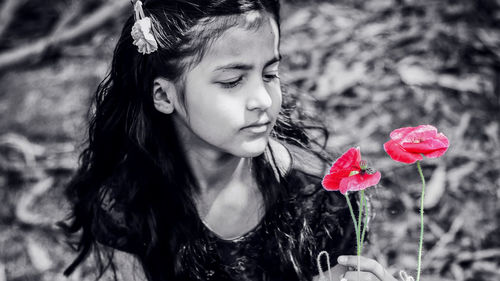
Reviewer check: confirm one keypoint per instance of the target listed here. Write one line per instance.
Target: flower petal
(145, 24)
(348, 160)
(422, 132)
(359, 182)
(438, 153)
(400, 133)
(397, 153)
(332, 181)
(426, 146)
(410, 134)
(143, 38)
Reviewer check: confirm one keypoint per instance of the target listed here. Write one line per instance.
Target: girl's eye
(270, 77)
(231, 84)
(234, 83)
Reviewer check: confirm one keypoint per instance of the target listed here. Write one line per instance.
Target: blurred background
(367, 66)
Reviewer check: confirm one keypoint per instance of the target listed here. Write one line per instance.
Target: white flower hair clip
(141, 31)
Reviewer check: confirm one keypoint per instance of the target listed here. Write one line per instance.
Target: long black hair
(132, 159)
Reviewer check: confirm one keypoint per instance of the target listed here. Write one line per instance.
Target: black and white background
(366, 67)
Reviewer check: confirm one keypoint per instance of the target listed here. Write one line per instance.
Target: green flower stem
(364, 226)
(353, 218)
(360, 243)
(356, 229)
(361, 203)
(421, 221)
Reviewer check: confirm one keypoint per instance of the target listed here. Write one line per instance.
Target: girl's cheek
(279, 99)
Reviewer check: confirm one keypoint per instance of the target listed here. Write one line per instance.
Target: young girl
(195, 166)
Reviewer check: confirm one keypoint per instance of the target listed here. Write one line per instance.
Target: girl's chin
(252, 154)
(253, 148)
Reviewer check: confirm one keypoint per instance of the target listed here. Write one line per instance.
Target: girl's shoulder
(282, 157)
(289, 157)
(303, 176)
(325, 212)
(309, 197)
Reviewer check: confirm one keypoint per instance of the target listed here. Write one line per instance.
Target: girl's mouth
(257, 129)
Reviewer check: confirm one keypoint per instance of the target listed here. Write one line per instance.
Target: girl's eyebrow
(242, 66)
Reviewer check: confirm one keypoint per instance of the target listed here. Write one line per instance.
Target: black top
(286, 242)
(312, 213)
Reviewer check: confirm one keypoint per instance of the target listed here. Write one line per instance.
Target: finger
(365, 264)
(363, 276)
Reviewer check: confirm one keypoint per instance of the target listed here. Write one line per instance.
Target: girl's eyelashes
(271, 77)
(231, 84)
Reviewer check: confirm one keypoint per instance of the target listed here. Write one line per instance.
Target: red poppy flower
(408, 144)
(350, 173)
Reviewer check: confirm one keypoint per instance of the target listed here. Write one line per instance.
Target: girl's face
(235, 85)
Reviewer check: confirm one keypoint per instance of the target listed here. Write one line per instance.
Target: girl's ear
(164, 95)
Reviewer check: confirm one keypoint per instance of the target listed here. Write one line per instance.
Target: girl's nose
(259, 98)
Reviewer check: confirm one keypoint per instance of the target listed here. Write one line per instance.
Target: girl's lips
(257, 128)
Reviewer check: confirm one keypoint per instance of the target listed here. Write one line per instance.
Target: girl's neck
(212, 169)
(215, 171)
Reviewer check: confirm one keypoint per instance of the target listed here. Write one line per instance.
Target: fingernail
(342, 259)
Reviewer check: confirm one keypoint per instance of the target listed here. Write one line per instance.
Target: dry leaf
(456, 175)
(23, 212)
(3, 276)
(470, 83)
(38, 256)
(333, 83)
(435, 187)
(415, 75)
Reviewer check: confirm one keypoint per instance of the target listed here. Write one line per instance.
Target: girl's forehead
(241, 40)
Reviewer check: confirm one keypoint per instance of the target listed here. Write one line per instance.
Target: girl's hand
(371, 270)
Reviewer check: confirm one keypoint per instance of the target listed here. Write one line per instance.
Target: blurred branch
(24, 53)
(439, 248)
(7, 12)
(18, 156)
(67, 15)
(478, 255)
(3, 275)
(23, 212)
